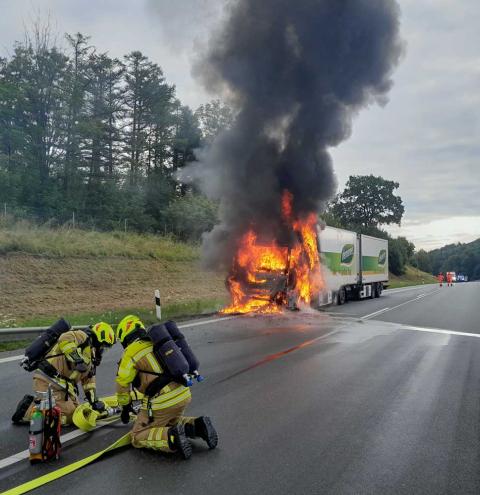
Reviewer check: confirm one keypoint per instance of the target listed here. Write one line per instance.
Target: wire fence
(11, 216)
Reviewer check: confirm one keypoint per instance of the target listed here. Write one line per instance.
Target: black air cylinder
(180, 340)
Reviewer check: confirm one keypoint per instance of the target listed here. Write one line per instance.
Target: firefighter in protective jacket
(71, 361)
(160, 424)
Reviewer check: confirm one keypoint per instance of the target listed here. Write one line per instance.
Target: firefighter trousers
(154, 434)
(64, 401)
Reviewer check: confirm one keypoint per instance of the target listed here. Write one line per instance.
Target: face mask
(97, 355)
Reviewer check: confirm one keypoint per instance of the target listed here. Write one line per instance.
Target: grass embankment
(412, 276)
(74, 243)
(86, 276)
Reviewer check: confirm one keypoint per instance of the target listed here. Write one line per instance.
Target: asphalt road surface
(375, 397)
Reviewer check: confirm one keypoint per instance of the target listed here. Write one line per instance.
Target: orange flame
(264, 276)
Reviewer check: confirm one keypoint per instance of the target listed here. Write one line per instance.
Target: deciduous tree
(368, 201)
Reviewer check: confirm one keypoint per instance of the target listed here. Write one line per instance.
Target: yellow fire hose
(47, 478)
(84, 418)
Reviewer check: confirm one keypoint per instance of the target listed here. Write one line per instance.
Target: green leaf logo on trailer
(348, 251)
(382, 257)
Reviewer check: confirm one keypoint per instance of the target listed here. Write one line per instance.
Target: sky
(427, 137)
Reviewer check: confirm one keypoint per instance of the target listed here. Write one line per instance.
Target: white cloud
(434, 234)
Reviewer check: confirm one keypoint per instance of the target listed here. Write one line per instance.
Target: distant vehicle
(355, 266)
(462, 278)
(453, 275)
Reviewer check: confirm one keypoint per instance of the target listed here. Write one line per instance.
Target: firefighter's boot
(204, 429)
(21, 410)
(178, 441)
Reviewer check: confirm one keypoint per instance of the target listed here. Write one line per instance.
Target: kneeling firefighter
(61, 358)
(155, 363)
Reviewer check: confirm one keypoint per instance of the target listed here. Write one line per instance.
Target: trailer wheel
(378, 289)
(341, 296)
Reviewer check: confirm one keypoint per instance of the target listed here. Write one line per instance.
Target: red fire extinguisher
(45, 429)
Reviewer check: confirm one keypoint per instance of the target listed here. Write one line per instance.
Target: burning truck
(319, 265)
(295, 74)
(266, 276)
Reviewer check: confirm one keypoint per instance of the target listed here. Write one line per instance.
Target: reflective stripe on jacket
(73, 340)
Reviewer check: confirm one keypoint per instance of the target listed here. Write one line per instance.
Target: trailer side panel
(374, 266)
(339, 257)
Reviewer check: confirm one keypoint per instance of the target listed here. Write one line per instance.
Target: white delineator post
(158, 305)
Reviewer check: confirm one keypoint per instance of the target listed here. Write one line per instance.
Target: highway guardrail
(23, 333)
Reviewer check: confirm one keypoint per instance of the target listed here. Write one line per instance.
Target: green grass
(24, 237)
(412, 276)
(13, 346)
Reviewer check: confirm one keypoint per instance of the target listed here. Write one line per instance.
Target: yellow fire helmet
(128, 325)
(104, 334)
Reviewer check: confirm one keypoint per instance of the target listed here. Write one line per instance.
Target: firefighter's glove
(125, 416)
(98, 406)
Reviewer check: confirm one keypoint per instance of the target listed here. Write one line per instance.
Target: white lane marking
(206, 322)
(338, 313)
(439, 330)
(380, 311)
(24, 454)
(186, 325)
(405, 289)
(400, 305)
(9, 359)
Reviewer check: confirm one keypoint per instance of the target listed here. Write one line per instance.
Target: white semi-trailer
(354, 266)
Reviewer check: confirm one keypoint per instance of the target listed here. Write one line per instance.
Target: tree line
(101, 138)
(458, 258)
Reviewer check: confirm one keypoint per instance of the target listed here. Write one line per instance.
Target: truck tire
(378, 290)
(341, 296)
(356, 294)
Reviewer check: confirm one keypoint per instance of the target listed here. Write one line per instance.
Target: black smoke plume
(297, 72)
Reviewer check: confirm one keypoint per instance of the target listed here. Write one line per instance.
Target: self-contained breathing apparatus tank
(39, 348)
(169, 354)
(182, 343)
(36, 434)
(173, 352)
